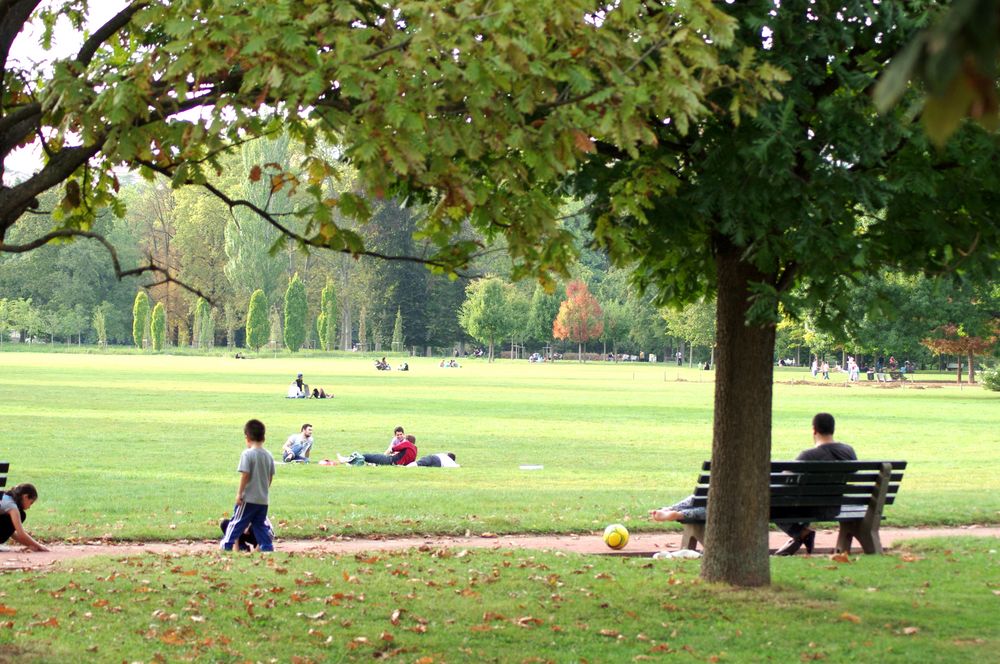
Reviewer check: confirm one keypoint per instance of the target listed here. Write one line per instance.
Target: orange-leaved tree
(580, 317)
(954, 340)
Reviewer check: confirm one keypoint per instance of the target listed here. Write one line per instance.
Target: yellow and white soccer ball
(616, 536)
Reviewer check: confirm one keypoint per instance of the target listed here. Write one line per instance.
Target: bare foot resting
(663, 514)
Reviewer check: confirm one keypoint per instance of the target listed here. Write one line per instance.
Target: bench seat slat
(819, 466)
(817, 490)
(810, 501)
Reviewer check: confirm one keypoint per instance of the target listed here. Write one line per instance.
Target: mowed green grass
(934, 604)
(146, 446)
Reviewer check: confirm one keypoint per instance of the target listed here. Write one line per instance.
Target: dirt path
(641, 544)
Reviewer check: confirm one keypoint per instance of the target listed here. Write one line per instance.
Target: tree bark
(972, 368)
(736, 530)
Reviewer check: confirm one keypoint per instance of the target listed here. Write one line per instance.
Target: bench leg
(870, 541)
(845, 536)
(692, 535)
(868, 538)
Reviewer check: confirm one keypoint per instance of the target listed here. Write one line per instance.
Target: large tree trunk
(972, 368)
(736, 530)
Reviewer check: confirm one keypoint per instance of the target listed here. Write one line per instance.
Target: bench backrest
(818, 490)
(4, 467)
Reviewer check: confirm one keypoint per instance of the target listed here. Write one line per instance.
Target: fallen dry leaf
(910, 631)
(7, 611)
(850, 617)
(840, 558)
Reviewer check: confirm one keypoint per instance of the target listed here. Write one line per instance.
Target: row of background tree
(68, 291)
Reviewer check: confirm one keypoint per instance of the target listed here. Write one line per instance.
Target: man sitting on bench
(825, 448)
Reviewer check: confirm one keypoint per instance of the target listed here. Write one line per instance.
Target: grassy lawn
(934, 604)
(145, 447)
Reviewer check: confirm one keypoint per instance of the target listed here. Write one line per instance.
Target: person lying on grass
(13, 504)
(441, 460)
(402, 451)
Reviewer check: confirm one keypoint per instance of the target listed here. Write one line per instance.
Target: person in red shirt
(401, 451)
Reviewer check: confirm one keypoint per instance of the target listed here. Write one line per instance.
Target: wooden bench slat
(811, 501)
(833, 491)
(818, 466)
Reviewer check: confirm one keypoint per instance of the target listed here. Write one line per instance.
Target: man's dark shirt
(828, 452)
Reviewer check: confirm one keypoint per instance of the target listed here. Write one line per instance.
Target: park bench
(851, 493)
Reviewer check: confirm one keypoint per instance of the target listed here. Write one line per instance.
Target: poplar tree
(296, 311)
(326, 324)
(258, 323)
(397, 332)
(158, 326)
(140, 316)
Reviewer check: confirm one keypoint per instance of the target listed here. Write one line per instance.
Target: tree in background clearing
(296, 309)
(580, 317)
(484, 313)
(397, 332)
(326, 324)
(158, 326)
(258, 324)
(140, 315)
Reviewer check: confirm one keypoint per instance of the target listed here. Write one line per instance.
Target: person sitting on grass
(298, 446)
(13, 504)
(402, 450)
(442, 460)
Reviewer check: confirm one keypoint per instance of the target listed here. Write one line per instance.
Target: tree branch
(233, 203)
(102, 34)
(119, 272)
(15, 16)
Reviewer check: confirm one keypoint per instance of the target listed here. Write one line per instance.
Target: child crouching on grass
(256, 470)
(12, 516)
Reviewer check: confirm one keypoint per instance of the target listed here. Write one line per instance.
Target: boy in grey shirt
(256, 472)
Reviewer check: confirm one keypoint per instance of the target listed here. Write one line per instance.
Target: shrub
(990, 379)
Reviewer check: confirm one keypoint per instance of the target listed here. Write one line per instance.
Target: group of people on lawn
(402, 451)
(299, 390)
(249, 526)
